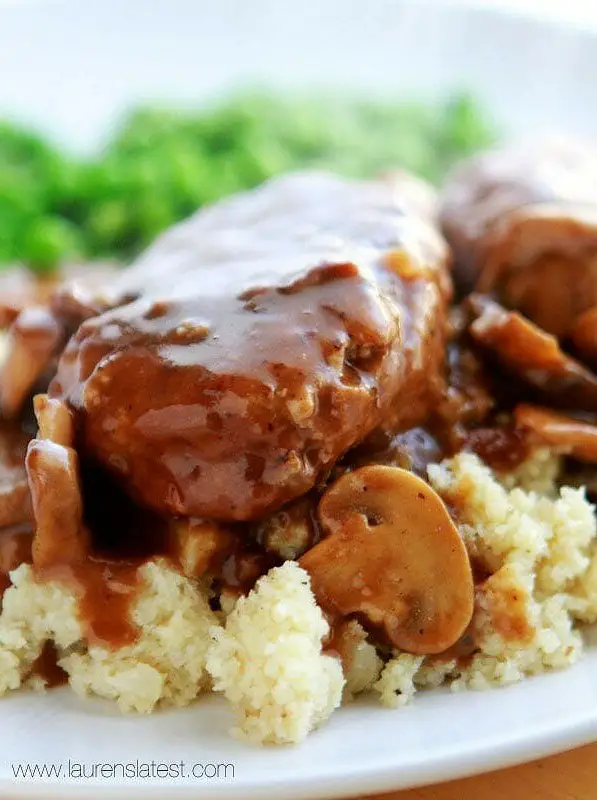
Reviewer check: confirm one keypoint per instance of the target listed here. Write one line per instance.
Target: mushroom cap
(533, 355)
(567, 435)
(394, 558)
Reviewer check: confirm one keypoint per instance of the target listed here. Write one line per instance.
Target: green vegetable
(161, 165)
(47, 240)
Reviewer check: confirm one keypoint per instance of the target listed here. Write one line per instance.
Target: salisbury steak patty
(522, 222)
(254, 344)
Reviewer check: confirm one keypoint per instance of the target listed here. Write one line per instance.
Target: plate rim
(522, 747)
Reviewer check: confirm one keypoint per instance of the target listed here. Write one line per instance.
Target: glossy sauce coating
(47, 668)
(271, 333)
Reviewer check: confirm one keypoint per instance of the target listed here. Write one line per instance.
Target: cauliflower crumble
(268, 660)
(534, 551)
(396, 682)
(32, 614)
(165, 665)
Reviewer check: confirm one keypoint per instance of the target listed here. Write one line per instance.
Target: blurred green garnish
(163, 164)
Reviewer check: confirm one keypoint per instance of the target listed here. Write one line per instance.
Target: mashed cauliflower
(165, 665)
(32, 614)
(534, 550)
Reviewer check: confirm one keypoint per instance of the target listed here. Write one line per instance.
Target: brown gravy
(47, 668)
(15, 549)
(502, 449)
(106, 591)
(344, 634)
(507, 610)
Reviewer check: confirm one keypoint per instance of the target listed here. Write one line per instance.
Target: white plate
(363, 748)
(70, 67)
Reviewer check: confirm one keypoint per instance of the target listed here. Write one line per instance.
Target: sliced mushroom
(566, 435)
(55, 420)
(584, 335)
(55, 485)
(394, 558)
(533, 355)
(15, 503)
(34, 339)
(501, 447)
(37, 315)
